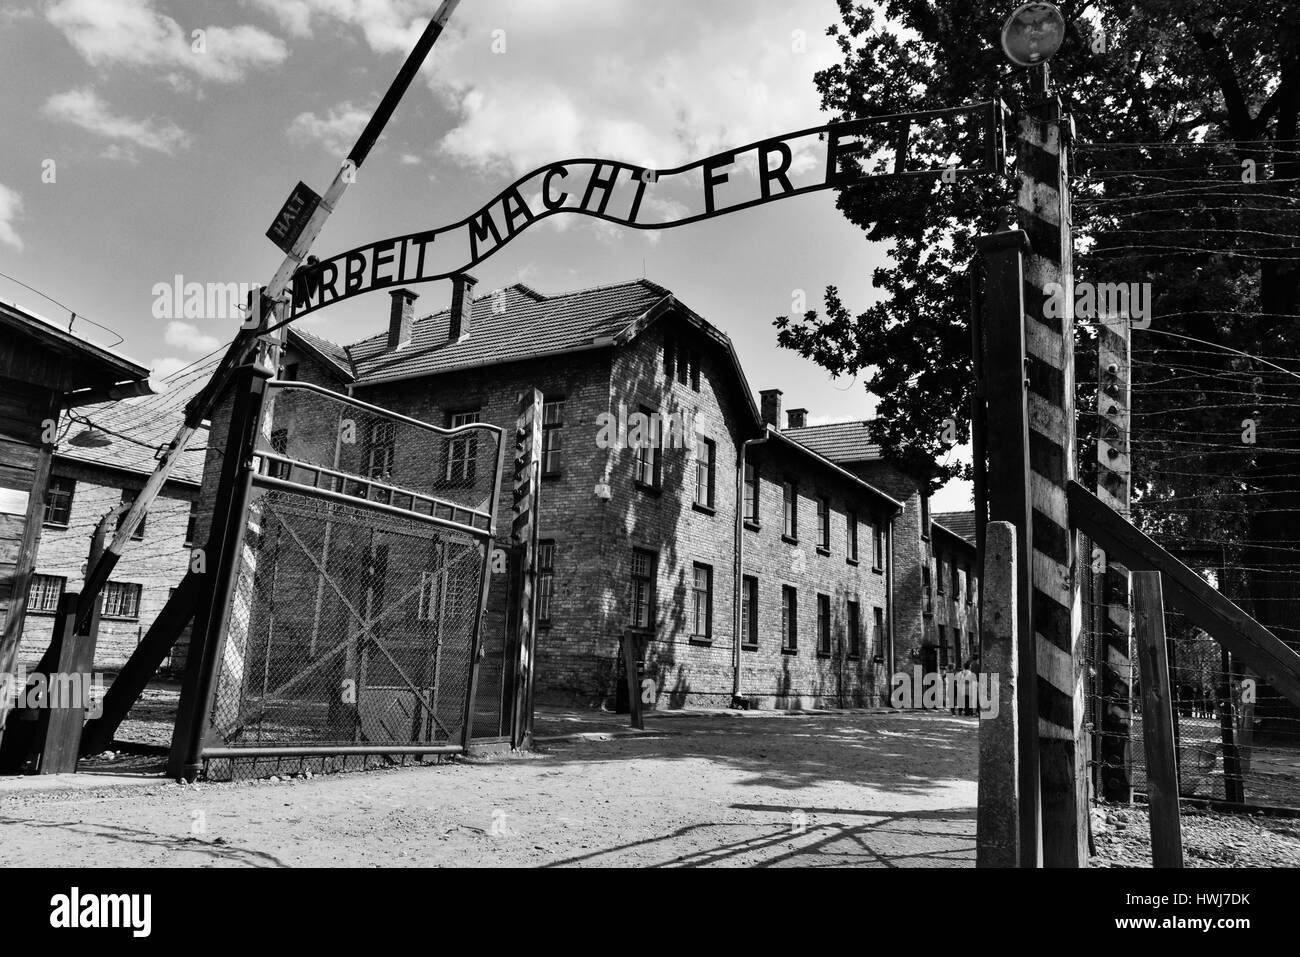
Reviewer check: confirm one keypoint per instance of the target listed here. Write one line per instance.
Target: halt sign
(293, 216)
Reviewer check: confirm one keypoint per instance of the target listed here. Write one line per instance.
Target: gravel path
(1210, 838)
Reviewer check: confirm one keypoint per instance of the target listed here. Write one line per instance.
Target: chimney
(462, 302)
(401, 318)
(797, 418)
(770, 407)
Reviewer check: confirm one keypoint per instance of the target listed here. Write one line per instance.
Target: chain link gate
(360, 588)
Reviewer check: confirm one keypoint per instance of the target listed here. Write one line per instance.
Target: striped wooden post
(1044, 208)
(1114, 471)
(523, 536)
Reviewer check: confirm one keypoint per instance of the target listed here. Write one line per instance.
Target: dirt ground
(750, 789)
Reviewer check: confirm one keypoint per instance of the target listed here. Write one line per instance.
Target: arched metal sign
(944, 143)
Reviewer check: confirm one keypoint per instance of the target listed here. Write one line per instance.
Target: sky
(150, 139)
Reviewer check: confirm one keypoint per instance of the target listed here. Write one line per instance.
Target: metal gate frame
(194, 741)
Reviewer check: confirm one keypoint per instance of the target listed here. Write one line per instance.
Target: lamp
(1033, 34)
(91, 438)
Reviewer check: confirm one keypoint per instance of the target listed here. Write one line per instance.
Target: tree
(1187, 174)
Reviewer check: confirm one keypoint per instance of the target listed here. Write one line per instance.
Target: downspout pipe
(738, 575)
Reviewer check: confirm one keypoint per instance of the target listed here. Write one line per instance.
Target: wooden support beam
(523, 533)
(62, 725)
(1157, 721)
(1042, 161)
(1114, 487)
(1007, 488)
(1247, 640)
(997, 827)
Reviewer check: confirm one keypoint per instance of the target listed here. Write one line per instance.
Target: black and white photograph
(569, 434)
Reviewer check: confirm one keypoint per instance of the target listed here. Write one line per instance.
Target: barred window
(44, 592)
(749, 610)
(643, 592)
(704, 468)
(702, 601)
(855, 629)
(545, 579)
(823, 624)
(462, 453)
(789, 618)
(58, 500)
(552, 436)
(121, 600)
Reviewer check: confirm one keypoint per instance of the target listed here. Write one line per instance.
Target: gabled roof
(961, 524)
(94, 365)
(521, 324)
(138, 427)
(840, 442)
(330, 353)
(826, 463)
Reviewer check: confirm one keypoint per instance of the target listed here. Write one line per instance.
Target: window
(823, 523)
(646, 465)
(956, 647)
(462, 453)
(552, 436)
(643, 590)
(970, 585)
(545, 580)
(704, 462)
(855, 629)
(878, 634)
(751, 493)
(789, 619)
(851, 536)
(702, 602)
(670, 358)
(121, 600)
(44, 592)
(956, 582)
(191, 526)
(925, 588)
(280, 445)
(943, 647)
(749, 611)
(790, 504)
(379, 449)
(824, 625)
(877, 546)
(940, 568)
(58, 500)
(925, 515)
(129, 496)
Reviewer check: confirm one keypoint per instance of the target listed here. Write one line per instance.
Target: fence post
(523, 532)
(1007, 488)
(1157, 721)
(1114, 471)
(225, 541)
(998, 816)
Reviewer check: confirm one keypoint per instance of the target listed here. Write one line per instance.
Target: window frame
(877, 546)
(790, 511)
(789, 620)
(825, 644)
(41, 609)
(552, 432)
(650, 584)
(545, 580)
(50, 489)
(853, 626)
(851, 536)
(710, 468)
(698, 595)
(468, 443)
(749, 500)
(123, 588)
(878, 635)
(749, 611)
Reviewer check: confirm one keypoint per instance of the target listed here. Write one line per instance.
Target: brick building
(86, 483)
(780, 566)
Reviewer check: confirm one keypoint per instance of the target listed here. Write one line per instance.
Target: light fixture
(1033, 34)
(91, 438)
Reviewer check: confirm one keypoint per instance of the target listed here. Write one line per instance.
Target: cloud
(84, 108)
(132, 33)
(184, 335)
(410, 159)
(11, 208)
(337, 131)
(169, 365)
(389, 26)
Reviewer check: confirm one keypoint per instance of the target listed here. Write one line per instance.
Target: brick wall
(157, 563)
